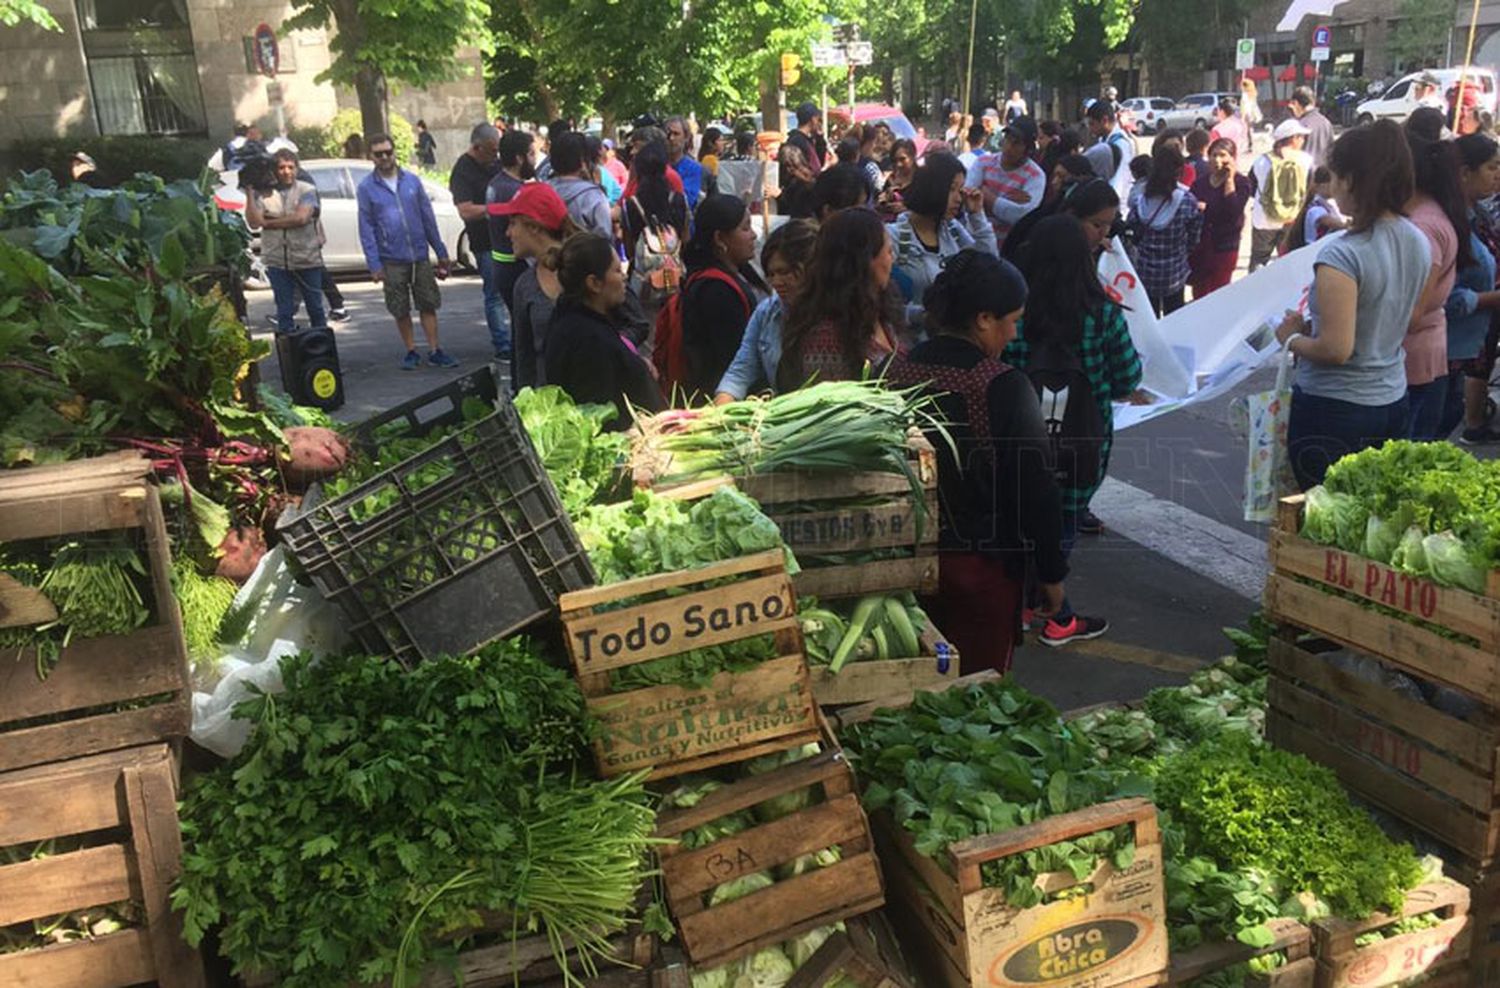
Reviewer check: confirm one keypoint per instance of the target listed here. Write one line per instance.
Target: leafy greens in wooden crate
(983, 759)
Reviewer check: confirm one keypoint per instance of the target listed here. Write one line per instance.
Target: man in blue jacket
(396, 226)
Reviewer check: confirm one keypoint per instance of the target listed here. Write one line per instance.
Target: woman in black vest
(1001, 509)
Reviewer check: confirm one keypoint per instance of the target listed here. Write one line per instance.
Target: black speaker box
(310, 371)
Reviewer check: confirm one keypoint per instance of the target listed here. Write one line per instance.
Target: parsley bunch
(377, 815)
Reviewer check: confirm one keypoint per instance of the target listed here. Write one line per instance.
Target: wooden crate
(633, 963)
(1483, 883)
(716, 935)
(888, 679)
(887, 518)
(1344, 964)
(1292, 938)
(1306, 586)
(677, 729)
(1113, 937)
(864, 953)
(1437, 772)
(57, 718)
(133, 794)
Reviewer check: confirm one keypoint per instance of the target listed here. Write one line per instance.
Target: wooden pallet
(888, 679)
(677, 729)
(132, 794)
(967, 935)
(1437, 772)
(1343, 964)
(1291, 938)
(715, 935)
(58, 718)
(1305, 590)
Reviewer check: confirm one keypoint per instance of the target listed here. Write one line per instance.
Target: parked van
(1397, 102)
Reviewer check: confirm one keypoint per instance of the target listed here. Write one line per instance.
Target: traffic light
(790, 72)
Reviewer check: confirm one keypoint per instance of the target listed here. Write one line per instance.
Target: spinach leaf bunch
(983, 759)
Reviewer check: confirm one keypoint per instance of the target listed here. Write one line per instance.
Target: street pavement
(1154, 574)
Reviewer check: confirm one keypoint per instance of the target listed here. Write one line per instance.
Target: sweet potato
(240, 553)
(315, 453)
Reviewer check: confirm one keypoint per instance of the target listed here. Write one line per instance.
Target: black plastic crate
(438, 407)
(475, 547)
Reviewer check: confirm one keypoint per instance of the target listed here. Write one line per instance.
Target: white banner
(1164, 372)
(1216, 341)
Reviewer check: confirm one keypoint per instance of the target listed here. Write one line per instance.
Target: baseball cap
(1427, 79)
(608, 144)
(808, 112)
(83, 157)
(992, 113)
(1022, 127)
(536, 201)
(1290, 127)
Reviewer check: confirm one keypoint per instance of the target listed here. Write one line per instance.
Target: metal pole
(969, 75)
(851, 92)
(1458, 99)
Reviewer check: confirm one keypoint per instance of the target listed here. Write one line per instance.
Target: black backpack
(1070, 413)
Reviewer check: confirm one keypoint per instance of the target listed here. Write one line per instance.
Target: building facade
(194, 68)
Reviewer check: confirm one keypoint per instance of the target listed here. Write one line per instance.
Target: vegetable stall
(485, 691)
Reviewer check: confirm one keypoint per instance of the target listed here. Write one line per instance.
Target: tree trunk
(369, 86)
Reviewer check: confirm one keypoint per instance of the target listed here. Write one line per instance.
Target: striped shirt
(989, 175)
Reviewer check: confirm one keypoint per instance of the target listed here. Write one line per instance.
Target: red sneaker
(1076, 629)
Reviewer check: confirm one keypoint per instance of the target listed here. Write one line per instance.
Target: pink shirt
(1233, 128)
(1427, 338)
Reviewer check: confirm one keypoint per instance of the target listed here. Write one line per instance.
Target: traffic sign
(1320, 54)
(827, 56)
(860, 52)
(1244, 54)
(1322, 36)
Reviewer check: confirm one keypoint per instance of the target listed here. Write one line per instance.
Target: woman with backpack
(655, 221)
(1439, 211)
(1167, 224)
(1223, 193)
(845, 321)
(719, 293)
(1001, 507)
(942, 217)
(587, 356)
(784, 258)
(1350, 389)
(1075, 347)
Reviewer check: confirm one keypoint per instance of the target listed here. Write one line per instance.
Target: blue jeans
(495, 312)
(284, 285)
(1427, 401)
(1453, 403)
(1322, 431)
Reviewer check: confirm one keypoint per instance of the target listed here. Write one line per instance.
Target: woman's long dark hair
(651, 188)
(837, 288)
(1062, 282)
(1166, 170)
(1435, 169)
(927, 193)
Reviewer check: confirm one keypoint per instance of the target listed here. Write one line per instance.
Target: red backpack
(666, 348)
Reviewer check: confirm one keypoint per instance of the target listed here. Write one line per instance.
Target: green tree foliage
(621, 57)
(13, 12)
(376, 41)
(1419, 35)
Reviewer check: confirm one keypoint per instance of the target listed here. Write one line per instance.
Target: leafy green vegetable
(582, 459)
(982, 759)
(204, 601)
(375, 814)
(652, 534)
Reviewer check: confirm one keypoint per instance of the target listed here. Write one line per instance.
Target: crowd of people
(968, 267)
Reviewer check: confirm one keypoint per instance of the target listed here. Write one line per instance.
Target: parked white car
(1149, 112)
(1196, 110)
(1397, 102)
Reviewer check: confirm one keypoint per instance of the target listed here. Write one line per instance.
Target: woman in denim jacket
(783, 259)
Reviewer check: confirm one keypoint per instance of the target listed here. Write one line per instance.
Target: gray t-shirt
(1389, 262)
